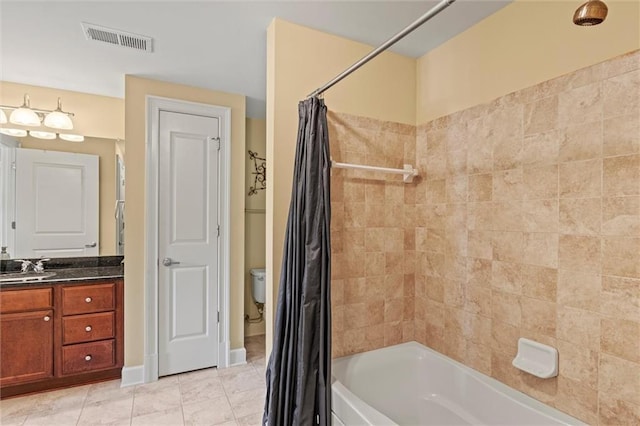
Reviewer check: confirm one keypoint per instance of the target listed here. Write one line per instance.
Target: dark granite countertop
(68, 270)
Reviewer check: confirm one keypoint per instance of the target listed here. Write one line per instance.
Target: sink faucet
(38, 267)
(26, 264)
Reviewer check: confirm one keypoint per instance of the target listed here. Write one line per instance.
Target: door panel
(188, 241)
(189, 289)
(56, 204)
(189, 188)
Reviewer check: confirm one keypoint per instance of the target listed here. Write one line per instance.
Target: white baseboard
(238, 357)
(133, 375)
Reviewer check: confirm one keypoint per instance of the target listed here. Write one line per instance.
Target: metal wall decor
(260, 173)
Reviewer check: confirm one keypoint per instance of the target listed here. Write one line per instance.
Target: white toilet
(258, 293)
(257, 285)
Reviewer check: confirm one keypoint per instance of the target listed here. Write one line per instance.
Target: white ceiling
(210, 44)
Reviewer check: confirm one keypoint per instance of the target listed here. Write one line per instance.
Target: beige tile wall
(528, 225)
(372, 235)
(524, 223)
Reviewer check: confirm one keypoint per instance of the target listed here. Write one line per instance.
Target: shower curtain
(299, 370)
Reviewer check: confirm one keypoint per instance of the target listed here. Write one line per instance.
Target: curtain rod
(384, 46)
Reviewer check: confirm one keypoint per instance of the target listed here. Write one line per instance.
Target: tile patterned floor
(231, 396)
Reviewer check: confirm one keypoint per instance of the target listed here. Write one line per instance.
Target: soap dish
(536, 358)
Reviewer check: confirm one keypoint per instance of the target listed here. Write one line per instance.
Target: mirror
(105, 155)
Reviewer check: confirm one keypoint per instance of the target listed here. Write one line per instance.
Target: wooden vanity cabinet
(26, 336)
(61, 335)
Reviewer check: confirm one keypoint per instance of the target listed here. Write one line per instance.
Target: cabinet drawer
(85, 299)
(89, 327)
(88, 356)
(25, 300)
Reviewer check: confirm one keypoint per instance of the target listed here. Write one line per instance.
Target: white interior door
(188, 242)
(56, 204)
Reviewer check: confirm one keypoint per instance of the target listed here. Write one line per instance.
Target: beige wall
(523, 44)
(95, 115)
(136, 90)
(106, 150)
(299, 60)
(254, 231)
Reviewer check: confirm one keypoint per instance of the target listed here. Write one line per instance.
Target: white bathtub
(410, 384)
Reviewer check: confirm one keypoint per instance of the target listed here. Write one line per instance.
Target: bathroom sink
(25, 276)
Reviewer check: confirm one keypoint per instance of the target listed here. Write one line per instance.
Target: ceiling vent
(117, 37)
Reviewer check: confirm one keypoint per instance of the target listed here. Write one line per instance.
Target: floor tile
(20, 406)
(211, 412)
(201, 390)
(171, 417)
(243, 382)
(251, 420)
(116, 411)
(235, 370)
(62, 400)
(248, 402)
(63, 417)
(150, 400)
(106, 391)
(13, 421)
(159, 385)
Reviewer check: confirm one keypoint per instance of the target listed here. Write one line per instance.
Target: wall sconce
(260, 173)
(25, 116)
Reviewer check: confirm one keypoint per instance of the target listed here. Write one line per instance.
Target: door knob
(167, 261)
(93, 244)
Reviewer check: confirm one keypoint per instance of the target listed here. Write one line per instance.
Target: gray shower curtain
(299, 370)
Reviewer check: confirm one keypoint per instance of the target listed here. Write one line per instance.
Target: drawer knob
(88, 299)
(47, 318)
(87, 358)
(87, 328)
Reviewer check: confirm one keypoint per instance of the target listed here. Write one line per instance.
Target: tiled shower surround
(525, 223)
(372, 236)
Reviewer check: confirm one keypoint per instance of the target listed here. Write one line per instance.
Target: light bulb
(19, 133)
(24, 115)
(58, 119)
(3, 117)
(42, 135)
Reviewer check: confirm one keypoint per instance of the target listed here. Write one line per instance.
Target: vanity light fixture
(44, 119)
(26, 116)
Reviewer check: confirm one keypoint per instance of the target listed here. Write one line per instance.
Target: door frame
(8, 146)
(154, 105)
